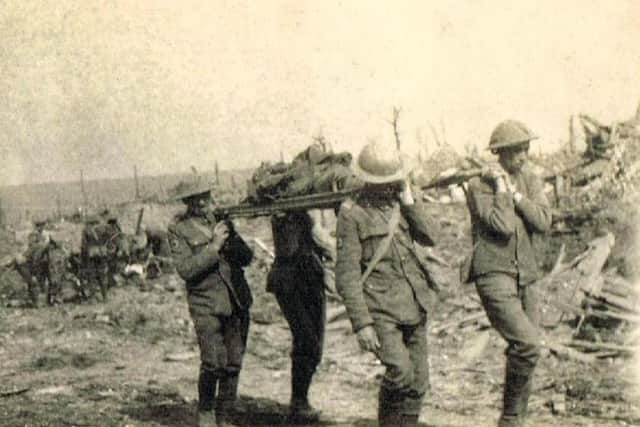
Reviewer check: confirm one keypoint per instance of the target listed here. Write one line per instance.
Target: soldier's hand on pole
(498, 176)
(406, 196)
(511, 186)
(368, 339)
(220, 234)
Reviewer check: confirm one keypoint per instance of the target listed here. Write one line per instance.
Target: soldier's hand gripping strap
(384, 243)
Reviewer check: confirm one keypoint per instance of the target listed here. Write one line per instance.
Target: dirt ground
(133, 362)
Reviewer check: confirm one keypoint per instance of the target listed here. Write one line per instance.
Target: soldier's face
(512, 159)
(200, 203)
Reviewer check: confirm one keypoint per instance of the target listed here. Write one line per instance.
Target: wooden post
(135, 177)
(217, 174)
(444, 132)
(558, 189)
(2, 215)
(396, 115)
(58, 208)
(572, 135)
(84, 194)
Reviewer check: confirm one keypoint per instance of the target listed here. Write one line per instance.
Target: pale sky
(103, 85)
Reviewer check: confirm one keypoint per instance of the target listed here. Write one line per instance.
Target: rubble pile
(610, 170)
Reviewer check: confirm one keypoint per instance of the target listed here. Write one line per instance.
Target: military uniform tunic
(502, 230)
(504, 268)
(93, 251)
(217, 292)
(396, 290)
(34, 268)
(393, 298)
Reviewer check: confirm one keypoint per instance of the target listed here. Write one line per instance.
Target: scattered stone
(56, 389)
(180, 357)
(558, 404)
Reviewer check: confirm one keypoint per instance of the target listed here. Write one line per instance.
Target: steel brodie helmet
(510, 133)
(186, 190)
(380, 164)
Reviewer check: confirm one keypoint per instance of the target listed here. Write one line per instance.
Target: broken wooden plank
(14, 392)
(458, 323)
(603, 314)
(563, 351)
(431, 256)
(589, 345)
(562, 253)
(621, 284)
(606, 354)
(264, 247)
(612, 302)
(592, 285)
(567, 283)
(335, 314)
(599, 250)
(627, 304)
(613, 315)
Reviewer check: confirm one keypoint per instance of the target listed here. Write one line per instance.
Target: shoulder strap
(384, 243)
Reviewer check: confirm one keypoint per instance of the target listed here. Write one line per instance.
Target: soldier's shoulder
(176, 233)
(532, 172)
(177, 225)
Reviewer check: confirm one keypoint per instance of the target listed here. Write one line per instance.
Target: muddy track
(133, 362)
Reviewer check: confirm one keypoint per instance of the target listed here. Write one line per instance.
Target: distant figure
(382, 282)
(33, 264)
(210, 257)
(93, 253)
(42, 266)
(507, 207)
(57, 272)
(113, 242)
(297, 280)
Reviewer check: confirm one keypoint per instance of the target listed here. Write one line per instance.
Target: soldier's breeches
(96, 272)
(403, 352)
(57, 270)
(222, 341)
(512, 311)
(303, 306)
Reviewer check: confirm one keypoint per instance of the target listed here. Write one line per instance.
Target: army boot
(227, 394)
(523, 404)
(387, 415)
(207, 419)
(104, 289)
(516, 395)
(54, 297)
(409, 420)
(301, 412)
(35, 297)
(390, 420)
(207, 383)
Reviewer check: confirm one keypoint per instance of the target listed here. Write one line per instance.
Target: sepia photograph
(349, 213)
